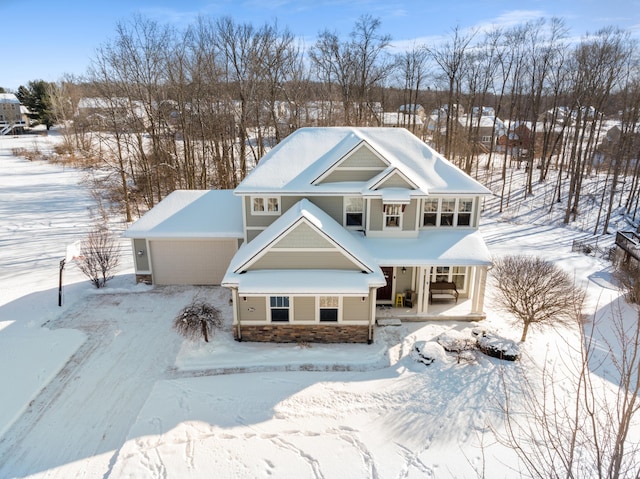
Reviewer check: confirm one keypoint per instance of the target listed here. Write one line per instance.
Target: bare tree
(100, 256)
(578, 415)
(535, 291)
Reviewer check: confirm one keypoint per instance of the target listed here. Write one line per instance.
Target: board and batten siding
(395, 181)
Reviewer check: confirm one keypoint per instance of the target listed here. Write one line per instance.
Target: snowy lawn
(103, 387)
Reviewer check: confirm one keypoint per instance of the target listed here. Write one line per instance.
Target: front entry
(384, 293)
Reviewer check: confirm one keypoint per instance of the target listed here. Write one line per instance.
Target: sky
(46, 40)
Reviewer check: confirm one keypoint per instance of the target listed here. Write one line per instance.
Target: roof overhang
(327, 282)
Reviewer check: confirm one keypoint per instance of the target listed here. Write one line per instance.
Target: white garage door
(191, 261)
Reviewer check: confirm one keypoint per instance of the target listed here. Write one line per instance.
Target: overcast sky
(46, 39)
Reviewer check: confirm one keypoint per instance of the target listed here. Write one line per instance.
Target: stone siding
(290, 333)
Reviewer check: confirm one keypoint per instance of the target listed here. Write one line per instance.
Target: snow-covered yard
(103, 387)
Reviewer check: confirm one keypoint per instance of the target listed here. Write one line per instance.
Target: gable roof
(309, 153)
(192, 214)
(304, 211)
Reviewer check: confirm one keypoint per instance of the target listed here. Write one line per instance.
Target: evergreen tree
(36, 97)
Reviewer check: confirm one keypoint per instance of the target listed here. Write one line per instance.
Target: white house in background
(338, 226)
(11, 114)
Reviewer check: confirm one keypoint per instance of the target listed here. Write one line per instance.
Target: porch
(437, 311)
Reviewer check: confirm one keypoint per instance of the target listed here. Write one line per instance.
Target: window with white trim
(393, 216)
(447, 212)
(265, 205)
(430, 214)
(465, 208)
(353, 211)
(451, 274)
(279, 306)
(329, 307)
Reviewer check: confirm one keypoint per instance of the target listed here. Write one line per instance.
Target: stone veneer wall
(143, 278)
(290, 333)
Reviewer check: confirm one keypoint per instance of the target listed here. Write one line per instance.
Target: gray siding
(395, 181)
(363, 157)
(251, 234)
(253, 309)
(142, 261)
(303, 236)
(409, 216)
(304, 308)
(375, 216)
(354, 309)
(332, 205)
(257, 220)
(304, 260)
(339, 175)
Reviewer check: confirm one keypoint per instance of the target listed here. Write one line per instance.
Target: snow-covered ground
(103, 387)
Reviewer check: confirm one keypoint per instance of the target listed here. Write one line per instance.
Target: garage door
(191, 261)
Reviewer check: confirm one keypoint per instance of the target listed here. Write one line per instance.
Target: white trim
(265, 199)
(385, 216)
(344, 212)
(289, 308)
(336, 165)
(472, 214)
(318, 308)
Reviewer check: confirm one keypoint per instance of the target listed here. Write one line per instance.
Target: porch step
(388, 322)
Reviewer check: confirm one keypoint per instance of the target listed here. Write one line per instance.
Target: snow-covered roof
(292, 167)
(315, 281)
(9, 98)
(192, 214)
(440, 247)
(304, 211)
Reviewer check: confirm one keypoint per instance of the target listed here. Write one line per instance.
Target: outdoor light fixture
(140, 253)
(404, 270)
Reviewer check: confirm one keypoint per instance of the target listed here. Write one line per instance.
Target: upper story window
(265, 205)
(446, 212)
(353, 212)
(393, 216)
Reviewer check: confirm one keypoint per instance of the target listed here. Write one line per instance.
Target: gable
(302, 236)
(395, 180)
(303, 246)
(360, 164)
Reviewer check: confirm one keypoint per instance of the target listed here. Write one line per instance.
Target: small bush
(197, 319)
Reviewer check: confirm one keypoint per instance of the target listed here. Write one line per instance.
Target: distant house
(334, 224)
(486, 129)
(11, 114)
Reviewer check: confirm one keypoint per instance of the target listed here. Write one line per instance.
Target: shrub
(198, 318)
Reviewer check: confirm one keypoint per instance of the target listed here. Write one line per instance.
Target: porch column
(479, 289)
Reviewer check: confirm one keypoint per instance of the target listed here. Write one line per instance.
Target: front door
(384, 293)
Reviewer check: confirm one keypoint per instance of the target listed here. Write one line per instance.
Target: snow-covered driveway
(86, 411)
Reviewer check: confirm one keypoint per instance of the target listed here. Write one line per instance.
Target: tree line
(196, 108)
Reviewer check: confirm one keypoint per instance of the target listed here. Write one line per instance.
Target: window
(465, 206)
(486, 139)
(265, 205)
(455, 274)
(353, 212)
(458, 274)
(279, 308)
(329, 308)
(430, 214)
(447, 212)
(392, 216)
(442, 274)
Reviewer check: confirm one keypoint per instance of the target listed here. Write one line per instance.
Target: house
(338, 226)
(11, 114)
(485, 129)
